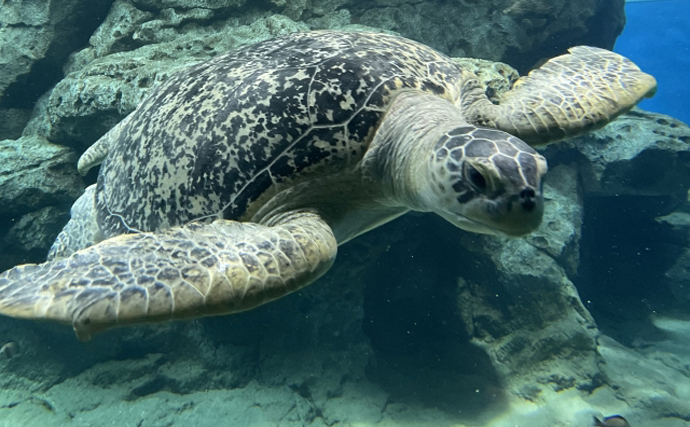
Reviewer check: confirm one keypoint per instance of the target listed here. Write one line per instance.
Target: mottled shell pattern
(221, 138)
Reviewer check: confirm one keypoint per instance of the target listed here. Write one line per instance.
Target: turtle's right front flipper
(183, 272)
(567, 96)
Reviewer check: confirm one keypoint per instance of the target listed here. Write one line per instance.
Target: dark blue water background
(657, 38)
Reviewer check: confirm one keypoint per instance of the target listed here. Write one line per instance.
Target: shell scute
(210, 141)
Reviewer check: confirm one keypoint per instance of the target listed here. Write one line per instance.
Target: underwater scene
(254, 213)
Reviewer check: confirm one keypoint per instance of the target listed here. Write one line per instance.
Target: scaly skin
(567, 96)
(280, 133)
(82, 229)
(96, 153)
(182, 272)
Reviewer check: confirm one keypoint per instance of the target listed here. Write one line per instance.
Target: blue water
(657, 38)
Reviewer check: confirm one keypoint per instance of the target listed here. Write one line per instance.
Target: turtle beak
(520, 214)
(468, 224)
(513, 216)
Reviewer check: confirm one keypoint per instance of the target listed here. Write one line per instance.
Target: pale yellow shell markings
(234, 181)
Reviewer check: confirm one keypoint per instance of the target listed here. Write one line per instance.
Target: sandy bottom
(650, 386)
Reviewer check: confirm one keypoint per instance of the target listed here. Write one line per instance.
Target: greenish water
(417, 323)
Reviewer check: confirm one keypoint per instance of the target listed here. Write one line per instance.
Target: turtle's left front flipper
(567, 96)
(183, 272)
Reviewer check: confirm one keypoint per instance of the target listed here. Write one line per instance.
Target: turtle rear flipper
(82, 229)
(182, 272)
(567, 96)
(96, 153)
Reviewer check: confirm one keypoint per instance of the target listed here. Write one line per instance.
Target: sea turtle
(234, 182)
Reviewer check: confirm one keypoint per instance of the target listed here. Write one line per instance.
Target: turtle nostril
(528, 198)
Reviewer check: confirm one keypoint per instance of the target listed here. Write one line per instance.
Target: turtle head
(486, 181)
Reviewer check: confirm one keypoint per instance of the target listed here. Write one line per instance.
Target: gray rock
(115, 33)
(559, 234)
(12, 122)
(35, 39)
(131, 25)
(189, 4)
(520, 33)
(480, 313)
(679, 221)
(679, 277)
(35, 173)
(25, 36)
(29, 237)
(527, 316)
(36, 178)
(165, 27)
(639, 154)
(654, 379)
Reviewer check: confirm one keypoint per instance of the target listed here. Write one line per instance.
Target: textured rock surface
(38, 183)
(639, 154)
(156, 37)
(525, 313)
(306, 359)
(12, 122)
(678, 275)
(520, 32)
(653, 377)
(35, 39)
(559, 234)
(417, 323)
(634, 173)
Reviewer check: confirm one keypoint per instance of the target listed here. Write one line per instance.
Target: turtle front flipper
(567, 96)
(182, 272)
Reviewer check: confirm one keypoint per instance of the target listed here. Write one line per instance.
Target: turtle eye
(476, 177)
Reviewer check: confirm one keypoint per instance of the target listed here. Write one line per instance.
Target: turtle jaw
(512, 216)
